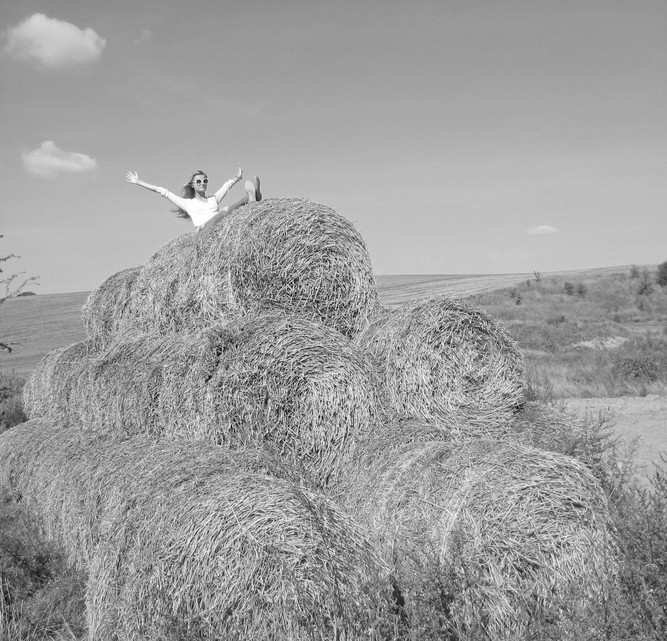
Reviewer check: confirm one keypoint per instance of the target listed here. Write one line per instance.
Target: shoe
(250, 190)
(258, 193)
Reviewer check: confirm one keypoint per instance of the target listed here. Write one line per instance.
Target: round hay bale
(192, 540)
(304, 258)
(279, 380)
(51, 388)
(284, 254)
(295, 384)
(443, 360)
(106, 307)
(485, 537)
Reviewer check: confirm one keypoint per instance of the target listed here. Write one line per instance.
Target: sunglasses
(199, 181)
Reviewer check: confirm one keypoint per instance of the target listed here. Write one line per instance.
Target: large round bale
(284, 254)
(51, 388)
(190, 540)
(444, 360)
(153, 384)
(304, 258)
(485, 537)
(295, 384)
(107, 306)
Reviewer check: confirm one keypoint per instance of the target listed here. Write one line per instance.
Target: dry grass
(190, 540)
(446, 361)
(103, 312)
(282, 380)
(487, 538)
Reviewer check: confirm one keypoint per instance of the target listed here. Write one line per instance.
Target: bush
(569, 288)
(645, 283)
(661, 276)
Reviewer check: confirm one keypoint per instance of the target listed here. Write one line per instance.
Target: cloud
(53, 44)
(50, 160)
(541, 230)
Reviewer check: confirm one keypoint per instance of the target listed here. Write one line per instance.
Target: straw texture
(485, 537)
(107, 306)
(444, 360)
(282, 380)
(192, 540)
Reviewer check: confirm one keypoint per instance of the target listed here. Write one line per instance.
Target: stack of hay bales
(266, 331)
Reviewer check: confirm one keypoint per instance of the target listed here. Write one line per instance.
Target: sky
(458, 136)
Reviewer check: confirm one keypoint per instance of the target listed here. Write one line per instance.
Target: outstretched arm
(222, 192)
(133, 178)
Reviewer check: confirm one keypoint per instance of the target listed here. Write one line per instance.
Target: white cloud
(540, 230)
(52, 43)
(50, 160)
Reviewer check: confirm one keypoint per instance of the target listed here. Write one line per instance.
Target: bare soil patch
(635, 417)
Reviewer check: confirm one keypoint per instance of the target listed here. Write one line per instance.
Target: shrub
(645, 287)
(582, 290)
(661, 275)
(569, 288)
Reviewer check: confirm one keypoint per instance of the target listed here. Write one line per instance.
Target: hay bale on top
(510, 534)
(282, 254)
(51, 388)
(444, 360)
(193, 539)
(304, 258)
(106, 306)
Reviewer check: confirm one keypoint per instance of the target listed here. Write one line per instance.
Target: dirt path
(642, 417)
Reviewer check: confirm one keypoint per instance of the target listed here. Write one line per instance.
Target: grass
(598, 337)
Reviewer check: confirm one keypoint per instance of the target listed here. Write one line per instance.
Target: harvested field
(189, 538)
(443, 360)
(487, 536)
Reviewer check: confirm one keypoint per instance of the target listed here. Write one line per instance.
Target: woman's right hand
(239, 176)
(132, 177)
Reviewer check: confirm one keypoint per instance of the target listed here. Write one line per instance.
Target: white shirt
(200, 211)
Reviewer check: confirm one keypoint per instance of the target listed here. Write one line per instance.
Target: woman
(203, 210)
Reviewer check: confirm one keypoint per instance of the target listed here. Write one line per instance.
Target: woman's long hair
(188, 191)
